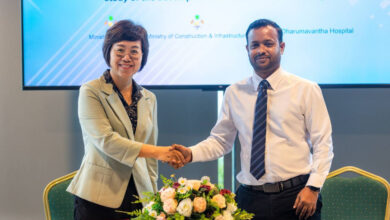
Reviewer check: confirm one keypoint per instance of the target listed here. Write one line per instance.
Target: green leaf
(166, 181)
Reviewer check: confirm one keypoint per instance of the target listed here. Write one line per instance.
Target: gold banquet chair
(58, 203)
(362, 196)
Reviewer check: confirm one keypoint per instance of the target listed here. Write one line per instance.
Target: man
(280, 118)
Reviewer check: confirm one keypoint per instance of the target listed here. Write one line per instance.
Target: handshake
(175, 155)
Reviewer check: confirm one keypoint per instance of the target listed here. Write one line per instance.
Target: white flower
(185, 207)
(168, 193)
(205, 179)
(227, 215)
(182, 181)
(182, 190)
(148, 206)
(153, 214)
(188, 186)
(231, 207)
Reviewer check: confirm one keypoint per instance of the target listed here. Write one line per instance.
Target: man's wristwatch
(313, 188)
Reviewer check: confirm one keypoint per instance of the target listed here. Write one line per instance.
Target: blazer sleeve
(97, 129)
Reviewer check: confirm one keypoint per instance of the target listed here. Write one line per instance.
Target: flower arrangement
(190, 199)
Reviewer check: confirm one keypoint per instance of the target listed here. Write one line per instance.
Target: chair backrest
(58, 203)
(363, 196)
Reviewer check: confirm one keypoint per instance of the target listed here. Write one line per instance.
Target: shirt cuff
(316, 180)
(196, 153)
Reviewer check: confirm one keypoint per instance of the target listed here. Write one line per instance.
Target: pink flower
(219, 200)
(170, 206)
(199, 204)
(212, 186)
(219, 217)
(195, 184)
(168, 193)
(162, 216)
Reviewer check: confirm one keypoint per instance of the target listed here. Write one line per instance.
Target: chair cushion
(61, 202)
(353, 198)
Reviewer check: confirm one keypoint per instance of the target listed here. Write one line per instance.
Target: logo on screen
(197, 22)
(110, 21)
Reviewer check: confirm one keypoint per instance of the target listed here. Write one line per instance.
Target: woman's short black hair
(126, 30)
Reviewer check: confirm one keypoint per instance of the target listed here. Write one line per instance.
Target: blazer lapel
(142, 115)
(116, 104)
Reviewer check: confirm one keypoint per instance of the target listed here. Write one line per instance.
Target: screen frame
(220, 87)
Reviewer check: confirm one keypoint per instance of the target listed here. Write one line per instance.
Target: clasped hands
(176, 155)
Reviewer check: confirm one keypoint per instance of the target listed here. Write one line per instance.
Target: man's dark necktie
(257, 168)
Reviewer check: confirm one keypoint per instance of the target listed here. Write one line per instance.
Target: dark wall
(361, 128)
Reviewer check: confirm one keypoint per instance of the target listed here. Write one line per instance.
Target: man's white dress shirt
(297, 121)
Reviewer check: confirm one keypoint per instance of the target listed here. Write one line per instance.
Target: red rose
(176, 185)
(205, 187)
(224, 191)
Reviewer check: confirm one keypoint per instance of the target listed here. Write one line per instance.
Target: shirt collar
(136, 94)
(273, 79)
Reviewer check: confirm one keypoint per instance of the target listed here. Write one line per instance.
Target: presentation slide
(202, 42)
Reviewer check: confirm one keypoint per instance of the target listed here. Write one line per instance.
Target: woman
(119, 125)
